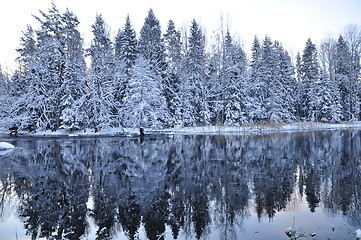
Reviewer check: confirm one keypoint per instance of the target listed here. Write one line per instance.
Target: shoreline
(204, 130)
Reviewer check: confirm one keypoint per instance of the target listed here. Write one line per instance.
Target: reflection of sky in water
(254, 173)
(305, 222)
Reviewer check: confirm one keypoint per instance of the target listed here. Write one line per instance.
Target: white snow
(266, 128)
(358, 234)
(5, 145)
(213, 130)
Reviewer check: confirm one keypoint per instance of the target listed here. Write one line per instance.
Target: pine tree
(144, 103)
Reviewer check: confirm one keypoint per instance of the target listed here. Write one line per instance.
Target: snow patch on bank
(5, 145)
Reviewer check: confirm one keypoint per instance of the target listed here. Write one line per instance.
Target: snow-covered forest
(174, 78)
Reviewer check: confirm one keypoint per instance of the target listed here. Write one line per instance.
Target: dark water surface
(182, 187)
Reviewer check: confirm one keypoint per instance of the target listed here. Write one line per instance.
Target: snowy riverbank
(214, 130)
(267, 128)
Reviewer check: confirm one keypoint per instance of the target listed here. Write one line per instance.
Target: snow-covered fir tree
(144, 104)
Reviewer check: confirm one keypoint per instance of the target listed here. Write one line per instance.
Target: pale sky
(291, 22)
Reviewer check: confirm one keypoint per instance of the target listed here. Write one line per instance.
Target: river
(182, 187)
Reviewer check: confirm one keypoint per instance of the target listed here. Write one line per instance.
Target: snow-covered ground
(266, 128)
(5, 145)
(223, 130)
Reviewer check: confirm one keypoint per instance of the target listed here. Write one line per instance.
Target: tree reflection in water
(188, 184)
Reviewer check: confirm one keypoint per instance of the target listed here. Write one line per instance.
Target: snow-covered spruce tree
(150, 43)
(26, 57)
(47, 72)
(195, 109)
(144, 104)
(74, 84)
(99, 102)
(174, 58)
(126, 45)
(309, 64)
(257, 110)
(234, 94)
(347, 84)
(20, 83)
(51, 72)
(152, 48)
(331, 108)
(325, 102)
(284, 76)
(126, 52)
(309, 71)
(298, 67)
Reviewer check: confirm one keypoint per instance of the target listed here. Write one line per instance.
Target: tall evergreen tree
(74, 85)
(233, 94)
(126, 45)
(309, 65)
(286, 84)
(325, 102)
(144, 103)
(99, 101)
(256, 87)
(48, 72)
(346, 83)
(195, 108)
(309, 72)
(51, 76)
(174, 59)
(150, 43)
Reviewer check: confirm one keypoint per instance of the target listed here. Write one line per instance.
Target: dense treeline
(162, 80)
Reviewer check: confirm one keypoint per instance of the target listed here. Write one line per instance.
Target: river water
(182, 187)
